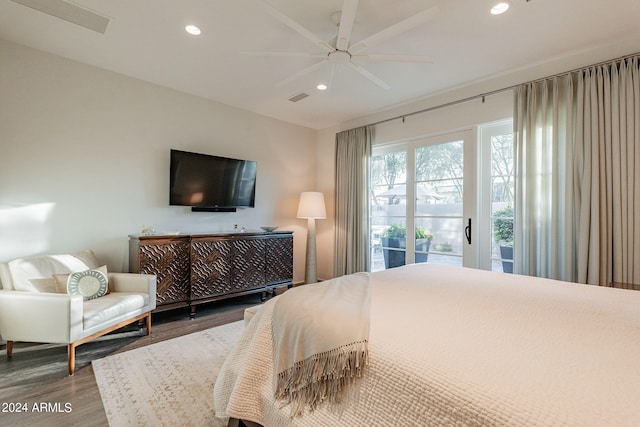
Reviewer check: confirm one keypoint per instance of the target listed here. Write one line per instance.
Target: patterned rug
(169, 383)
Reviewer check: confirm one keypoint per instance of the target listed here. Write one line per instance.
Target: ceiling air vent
(298, 97)
(69, 12)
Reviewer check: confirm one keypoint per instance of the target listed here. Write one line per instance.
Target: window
(439, 200)
(388, 207)
(497, 155)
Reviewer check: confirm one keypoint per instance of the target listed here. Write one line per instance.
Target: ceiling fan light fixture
(339, 57)
(500, 8)
(340, 51)
(193, 30)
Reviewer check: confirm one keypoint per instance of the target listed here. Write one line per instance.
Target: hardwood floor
(35, 378)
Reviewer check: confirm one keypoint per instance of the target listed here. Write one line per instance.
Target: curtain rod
(493, 92)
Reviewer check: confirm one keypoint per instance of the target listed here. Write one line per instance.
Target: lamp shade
(312, 205)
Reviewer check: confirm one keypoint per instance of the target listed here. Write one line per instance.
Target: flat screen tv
(211, 183)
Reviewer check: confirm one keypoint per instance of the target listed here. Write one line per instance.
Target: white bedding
(455, 346)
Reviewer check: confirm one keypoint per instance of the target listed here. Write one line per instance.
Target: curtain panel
(607, 157)
(544, 129)
(353, 153)
(578, 175)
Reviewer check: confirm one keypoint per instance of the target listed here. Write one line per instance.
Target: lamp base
(310, 272)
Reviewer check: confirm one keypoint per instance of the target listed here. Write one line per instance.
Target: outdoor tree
(442, 166)
(502, 166)
(387, 170)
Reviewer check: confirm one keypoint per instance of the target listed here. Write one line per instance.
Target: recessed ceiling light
(193, 30)
(500, 8)
(322, 86)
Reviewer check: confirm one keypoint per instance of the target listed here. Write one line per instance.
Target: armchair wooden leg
(71, 354)
(9, 348)
(148, 322)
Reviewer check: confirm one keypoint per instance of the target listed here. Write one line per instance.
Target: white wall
(84, 159)
(325, 228)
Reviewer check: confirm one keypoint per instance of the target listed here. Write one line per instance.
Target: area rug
(169, 383)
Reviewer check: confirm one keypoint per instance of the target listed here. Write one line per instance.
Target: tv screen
(201, 180)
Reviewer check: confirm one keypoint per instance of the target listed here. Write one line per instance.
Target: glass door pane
(388, 209)
(439, 190)
(502, 199)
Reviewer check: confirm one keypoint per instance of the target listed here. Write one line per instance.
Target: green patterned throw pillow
(89, 283)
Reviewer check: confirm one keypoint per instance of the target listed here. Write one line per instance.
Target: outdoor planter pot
(503, 236)
(506, 253)
(395, 237)
(396, 258)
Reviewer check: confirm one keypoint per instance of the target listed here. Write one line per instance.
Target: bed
(457, 346)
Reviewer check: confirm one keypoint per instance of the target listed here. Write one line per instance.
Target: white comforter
(455, 346)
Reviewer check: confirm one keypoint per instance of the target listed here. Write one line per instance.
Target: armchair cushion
(100, 310)
(27, 274)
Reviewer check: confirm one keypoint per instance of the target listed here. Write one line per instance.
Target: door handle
(467, 231)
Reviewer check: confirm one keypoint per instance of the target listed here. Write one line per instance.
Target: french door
(453, 192)
(419, 209)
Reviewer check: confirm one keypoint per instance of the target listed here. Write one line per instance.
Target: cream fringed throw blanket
(320, 334)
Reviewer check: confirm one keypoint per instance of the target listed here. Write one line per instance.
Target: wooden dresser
(193, 269)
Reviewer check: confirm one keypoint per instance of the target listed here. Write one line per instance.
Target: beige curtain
(353, 152)
(545, 234)
(607, 159)
(578, 175)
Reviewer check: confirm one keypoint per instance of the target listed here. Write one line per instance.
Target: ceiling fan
(341, 51)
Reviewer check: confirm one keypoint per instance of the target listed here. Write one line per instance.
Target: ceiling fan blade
(395, 29)
(331, 75)
(284, 53)
(347, 16)
(368, 75)
(301, 73)
(296, 27)
(390, 57)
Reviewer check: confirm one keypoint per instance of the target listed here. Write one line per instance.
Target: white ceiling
(146, 39)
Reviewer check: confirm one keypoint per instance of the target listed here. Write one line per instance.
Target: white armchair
(33, 310)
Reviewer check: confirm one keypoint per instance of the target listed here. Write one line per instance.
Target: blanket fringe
(321, 378)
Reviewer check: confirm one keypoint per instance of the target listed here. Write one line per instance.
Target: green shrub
(503, 226)
(444, 247)
(400, 231)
